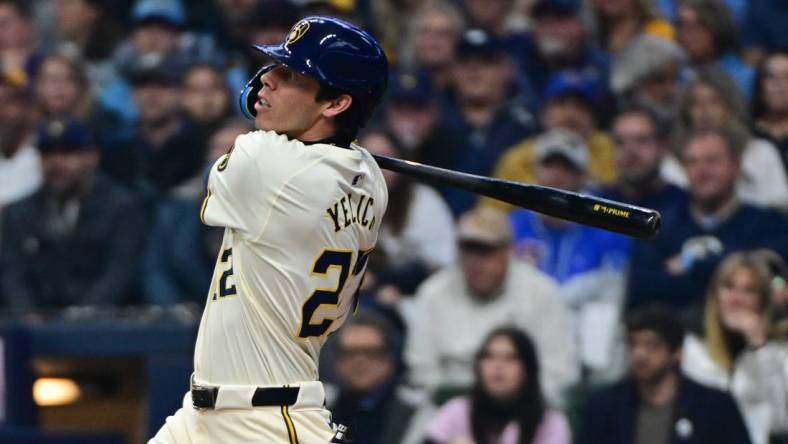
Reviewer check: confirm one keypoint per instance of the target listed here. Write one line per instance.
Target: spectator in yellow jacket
(568, 104)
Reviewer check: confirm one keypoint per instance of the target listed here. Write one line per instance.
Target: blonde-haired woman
(738, 351)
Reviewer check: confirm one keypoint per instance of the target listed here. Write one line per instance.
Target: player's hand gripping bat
(609, 215)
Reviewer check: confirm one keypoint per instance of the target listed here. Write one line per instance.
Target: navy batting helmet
(334, 52)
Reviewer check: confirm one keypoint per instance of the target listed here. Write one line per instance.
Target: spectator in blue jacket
(676, 266)
(656, 403)
(565, 250)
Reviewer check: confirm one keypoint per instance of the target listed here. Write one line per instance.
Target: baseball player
(301, 205)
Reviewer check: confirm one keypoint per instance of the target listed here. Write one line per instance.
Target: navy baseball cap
(571, 82)
(161, 11)
(64, 136)
(479, 44)
(555, 8)
(410, 86)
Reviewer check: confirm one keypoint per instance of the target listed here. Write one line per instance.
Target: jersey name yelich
(352, 209)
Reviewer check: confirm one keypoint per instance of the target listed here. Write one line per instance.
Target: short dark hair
(657, 124)
(349, 121)
(735, 140)
(659, 319)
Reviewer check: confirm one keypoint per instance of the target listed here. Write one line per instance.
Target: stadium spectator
(392, 19)
(418, 235)
(20, 163)
(676, 266)
(432, 43)
(83, 30)
(670, 8)
(206, 98)
(506, 404)
(588, 263)
(778, 274)
(620, 21)
(770, 105)
(649, 72)
(159, 34)
(412, 114)
(712, 100)
(370, 400)
(19, 56)
(656, 403)
(640, 147)
(763, 31)
(558, 42)
(165, 149)
(707, 32)
(738, 351)
(496, 17)
(77, 240)
(181, 251)
(568, 105)
(486, 289)
(62, 91)
(487, 114)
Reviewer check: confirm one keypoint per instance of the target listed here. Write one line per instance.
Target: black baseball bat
(601, 213)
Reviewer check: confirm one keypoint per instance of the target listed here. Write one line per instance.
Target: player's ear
(338, 105)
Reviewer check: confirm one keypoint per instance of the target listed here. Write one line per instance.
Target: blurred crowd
(479, 322)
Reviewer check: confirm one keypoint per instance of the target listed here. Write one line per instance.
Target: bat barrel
(606, 214)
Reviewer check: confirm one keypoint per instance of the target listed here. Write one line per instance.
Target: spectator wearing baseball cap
(588, 263)
(77, 240)
(568, 104)
(486, 289)
(412, 113)
(558, 42)
(486, 111)
(650, 71)
(159, 36)
(165, 148)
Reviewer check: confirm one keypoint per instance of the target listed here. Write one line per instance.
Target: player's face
(363, 363)
(287, 103)
(711, 170)
(650, 357)
(501, 371)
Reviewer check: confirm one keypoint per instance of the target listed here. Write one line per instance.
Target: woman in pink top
(506, 405)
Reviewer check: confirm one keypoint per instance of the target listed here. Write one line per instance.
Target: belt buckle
(206, 396)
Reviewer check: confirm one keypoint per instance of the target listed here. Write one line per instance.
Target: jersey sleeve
(234, 193)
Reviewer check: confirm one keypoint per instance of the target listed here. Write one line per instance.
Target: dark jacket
(95, 263)
(702, 416)
(747, 229)
(379, 418)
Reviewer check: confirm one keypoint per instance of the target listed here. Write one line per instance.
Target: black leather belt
(205, 397)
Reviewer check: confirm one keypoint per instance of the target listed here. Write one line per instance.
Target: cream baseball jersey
(300, 223)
